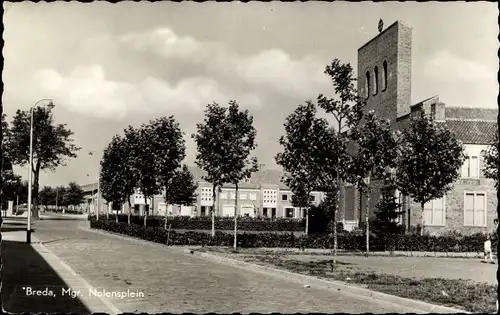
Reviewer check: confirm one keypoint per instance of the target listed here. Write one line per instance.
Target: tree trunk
(367, 218)
(145, 208)
(236, 218)
(129, 210)
(214, 193)
(307, 220)
(153, 205)
(35, 190)
(423, 221)
(337, 205)
(166, 216)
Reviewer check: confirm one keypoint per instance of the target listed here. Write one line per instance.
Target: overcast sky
(111, 65)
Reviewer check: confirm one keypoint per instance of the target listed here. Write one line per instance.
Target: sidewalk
(34, 280)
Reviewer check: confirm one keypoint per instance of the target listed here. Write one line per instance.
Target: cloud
(271, 70)
(445, 65)
(87, 91)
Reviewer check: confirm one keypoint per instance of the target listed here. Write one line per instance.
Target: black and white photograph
(250, 157)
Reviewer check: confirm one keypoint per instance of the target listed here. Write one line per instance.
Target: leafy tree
(346, 107)
(240, 135)
(169, 150)
(52, 144)
(302, 158)
(131, 167)
(430, 162)
(144, 156)
(492, 161)
(47, 196)
(212, 150)
(377, 149)
(181, 189)
(61, 197)
(117, 180)
(388, 210)
(74, 194)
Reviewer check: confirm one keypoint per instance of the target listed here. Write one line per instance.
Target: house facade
(384, 79)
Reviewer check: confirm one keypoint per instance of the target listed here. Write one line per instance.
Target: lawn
(461, 294)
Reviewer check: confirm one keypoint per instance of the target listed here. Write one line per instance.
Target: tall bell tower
(384, 71)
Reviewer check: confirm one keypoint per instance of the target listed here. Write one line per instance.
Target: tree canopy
(430, 163)
(53, 144)
(492, 161)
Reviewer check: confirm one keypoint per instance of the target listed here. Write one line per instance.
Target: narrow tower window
(375, 81)
(384, 76)
(367, 84)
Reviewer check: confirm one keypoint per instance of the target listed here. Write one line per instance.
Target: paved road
(175, 282)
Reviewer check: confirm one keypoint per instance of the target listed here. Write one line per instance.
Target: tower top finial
(380, 25)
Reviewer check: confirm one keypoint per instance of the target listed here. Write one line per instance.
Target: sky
(108, 66)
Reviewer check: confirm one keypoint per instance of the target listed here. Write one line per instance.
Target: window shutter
(479, 202)
(474, 167)
(469, 209)
(438, 212)
(465, 168)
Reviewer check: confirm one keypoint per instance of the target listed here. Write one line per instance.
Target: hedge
(221, 223)
(346, 241)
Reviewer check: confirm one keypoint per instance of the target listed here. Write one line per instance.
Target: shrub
(221, 223)
(347, 240)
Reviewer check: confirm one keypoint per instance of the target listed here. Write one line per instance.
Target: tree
(61, 197)
(181, 189)
(430, 161)
(47, 196)
(145, 155)
(212, 149)
(388, 210)
(52, 144)
(303, 157)
(166, 138)
(347, 110)
(117, 178)
(74, 194)
(377, 149)
(492, 161)
(240, 133)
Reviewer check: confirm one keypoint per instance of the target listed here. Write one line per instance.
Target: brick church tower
(384, 72)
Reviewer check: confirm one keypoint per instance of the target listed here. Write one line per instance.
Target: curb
(48, 255)
(337, 285)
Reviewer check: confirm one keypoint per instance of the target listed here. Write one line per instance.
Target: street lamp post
(30, 188)
(98, 189)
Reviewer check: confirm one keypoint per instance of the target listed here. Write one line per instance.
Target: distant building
(384, 79)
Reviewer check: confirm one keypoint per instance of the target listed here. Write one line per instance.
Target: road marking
(52, 260)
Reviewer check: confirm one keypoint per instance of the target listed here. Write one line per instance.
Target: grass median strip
(461, 294)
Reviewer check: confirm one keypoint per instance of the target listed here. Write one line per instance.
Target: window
(367, 84)
(289, 212)
(233, 196)
(433, 111)
(475, 209)
(246, 180)
(252, 196)
(264, 212)
(470, 168)
(223, 195)
(313, 198)
(384, 76)
(243, 196)
(375, 81)
(434, 212)
(273, 212)
(284, 197)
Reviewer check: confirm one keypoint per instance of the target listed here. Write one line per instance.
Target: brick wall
(394, 46)
(455, 207)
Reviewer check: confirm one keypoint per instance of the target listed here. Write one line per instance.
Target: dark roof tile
(472, 131)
